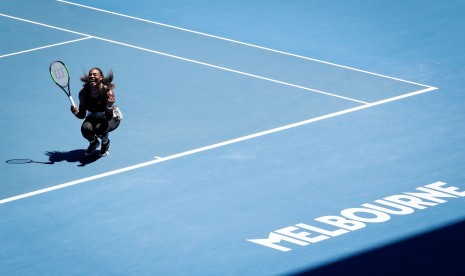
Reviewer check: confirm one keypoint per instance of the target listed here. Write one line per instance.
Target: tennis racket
(60, 75)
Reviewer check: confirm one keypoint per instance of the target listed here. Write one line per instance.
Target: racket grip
(72, 101)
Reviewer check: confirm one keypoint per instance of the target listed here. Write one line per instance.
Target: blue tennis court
(259, 138)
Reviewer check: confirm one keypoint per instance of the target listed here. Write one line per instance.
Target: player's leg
(105, 149)
(88, 132)
(102, 132)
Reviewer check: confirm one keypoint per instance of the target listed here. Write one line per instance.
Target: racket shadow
(74, 156)
(22, 161)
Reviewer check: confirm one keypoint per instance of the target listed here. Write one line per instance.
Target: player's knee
(113, 124)
(101, 132)
(86, 127)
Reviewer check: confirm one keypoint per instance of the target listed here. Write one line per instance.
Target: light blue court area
(259, 138)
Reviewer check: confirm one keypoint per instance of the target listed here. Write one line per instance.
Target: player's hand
(74, 110)
(111, 98)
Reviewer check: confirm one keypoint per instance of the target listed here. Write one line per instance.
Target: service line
(44, 47)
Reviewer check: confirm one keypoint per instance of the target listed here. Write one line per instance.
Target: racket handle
(72, 101)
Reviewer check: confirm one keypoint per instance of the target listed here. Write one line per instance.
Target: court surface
(259, 138)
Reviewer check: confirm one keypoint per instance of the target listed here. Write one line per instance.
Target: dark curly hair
(106, 80)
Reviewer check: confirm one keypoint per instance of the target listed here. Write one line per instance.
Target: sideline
(185, 59)
(238, 42)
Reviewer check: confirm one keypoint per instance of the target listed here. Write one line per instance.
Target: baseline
(217, 145)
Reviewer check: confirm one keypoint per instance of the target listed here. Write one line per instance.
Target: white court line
(43, 47)
(234, 71)
(214, 146)
(186, 59)
(239, 42)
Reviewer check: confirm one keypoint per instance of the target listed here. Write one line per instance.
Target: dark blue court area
(259, 138)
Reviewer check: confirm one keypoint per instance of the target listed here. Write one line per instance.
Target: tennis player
(97, 108)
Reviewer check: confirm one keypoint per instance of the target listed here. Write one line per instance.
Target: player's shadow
(73, 156)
